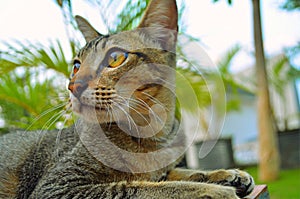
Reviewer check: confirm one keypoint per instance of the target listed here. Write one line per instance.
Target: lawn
(286, 187)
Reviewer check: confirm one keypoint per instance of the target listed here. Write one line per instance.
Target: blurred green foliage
(291, 5)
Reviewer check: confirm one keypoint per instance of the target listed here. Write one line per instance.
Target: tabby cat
(126, 142)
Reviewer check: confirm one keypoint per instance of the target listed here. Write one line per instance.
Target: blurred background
(38, 40)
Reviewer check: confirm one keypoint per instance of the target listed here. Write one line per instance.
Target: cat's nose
(77, 88)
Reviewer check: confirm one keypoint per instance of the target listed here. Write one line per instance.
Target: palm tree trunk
(268, 147)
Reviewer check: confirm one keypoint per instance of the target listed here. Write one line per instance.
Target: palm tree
(269, 156)
(269, 164)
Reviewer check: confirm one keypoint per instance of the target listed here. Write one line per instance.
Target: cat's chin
(91, 114)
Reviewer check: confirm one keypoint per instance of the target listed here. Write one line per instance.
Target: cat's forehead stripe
(93, 44)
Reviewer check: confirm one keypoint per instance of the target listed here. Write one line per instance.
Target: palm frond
(22, 98)
(226, 60)
(27, 54)
(281, 73)
(131, 15)
(191, 84)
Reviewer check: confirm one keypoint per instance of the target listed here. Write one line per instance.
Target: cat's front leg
(242, 181)
(136, 190)
(181, 190)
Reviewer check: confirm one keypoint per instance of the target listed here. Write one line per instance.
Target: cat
(122, 146)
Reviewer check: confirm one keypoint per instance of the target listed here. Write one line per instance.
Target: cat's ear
(161, 18)
(86, 29)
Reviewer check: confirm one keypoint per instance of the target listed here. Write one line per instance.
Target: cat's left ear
(86, 29)
(161, 20)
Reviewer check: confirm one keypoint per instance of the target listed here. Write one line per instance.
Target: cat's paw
(242, 181)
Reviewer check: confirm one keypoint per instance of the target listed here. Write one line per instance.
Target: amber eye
(76, 67)
(117, 58)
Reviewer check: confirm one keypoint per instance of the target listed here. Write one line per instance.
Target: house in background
(241, 125)
(286, 107)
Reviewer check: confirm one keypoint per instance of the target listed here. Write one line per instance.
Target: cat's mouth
(80, 107)
(92, 108)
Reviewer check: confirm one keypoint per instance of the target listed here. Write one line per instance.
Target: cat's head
(120, 77)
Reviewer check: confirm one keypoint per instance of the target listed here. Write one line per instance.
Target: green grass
(286, 187)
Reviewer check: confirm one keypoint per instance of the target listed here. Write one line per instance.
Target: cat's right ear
(160, 21)
(86, 29)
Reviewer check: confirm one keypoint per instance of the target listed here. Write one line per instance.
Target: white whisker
(155, 100)
(140, 103)
(59, 135)
(132, 108)
(45, 113)
(110, 109)
(171, 85)
(127, 104)
(49, 123)
(126, 114)
(129, 118)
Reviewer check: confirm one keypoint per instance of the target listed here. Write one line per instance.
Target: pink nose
(77, 88)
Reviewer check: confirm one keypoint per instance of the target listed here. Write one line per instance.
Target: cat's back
(26, 155)
(14, 147)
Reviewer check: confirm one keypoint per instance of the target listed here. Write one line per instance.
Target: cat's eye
(117, 58)
(76, 67)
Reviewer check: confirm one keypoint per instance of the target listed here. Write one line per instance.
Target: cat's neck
(134, 139)
(110, 145)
